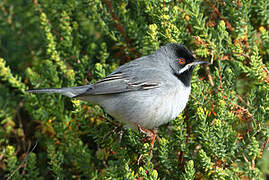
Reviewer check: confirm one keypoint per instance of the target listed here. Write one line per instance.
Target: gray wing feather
(129, 77)
(113, 84)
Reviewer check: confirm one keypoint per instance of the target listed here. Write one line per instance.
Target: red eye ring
(181, 60)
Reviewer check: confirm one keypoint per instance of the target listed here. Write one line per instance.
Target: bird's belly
(150, 108)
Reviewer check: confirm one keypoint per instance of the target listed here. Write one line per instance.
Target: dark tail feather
(69, 92)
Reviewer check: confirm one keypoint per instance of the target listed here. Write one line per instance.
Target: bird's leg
(151, 134)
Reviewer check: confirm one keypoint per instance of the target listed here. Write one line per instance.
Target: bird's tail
(69, 92)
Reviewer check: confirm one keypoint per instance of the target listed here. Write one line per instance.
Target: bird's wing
(129, 77)
(119, 82)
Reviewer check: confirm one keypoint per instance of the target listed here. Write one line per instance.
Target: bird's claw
(150, 135)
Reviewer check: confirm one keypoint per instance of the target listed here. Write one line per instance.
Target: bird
(144, 93)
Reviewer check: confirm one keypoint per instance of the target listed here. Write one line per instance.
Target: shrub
(222, 134)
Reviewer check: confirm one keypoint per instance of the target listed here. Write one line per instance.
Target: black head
(181, 61)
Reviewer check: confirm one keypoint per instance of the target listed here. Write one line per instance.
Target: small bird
(144, 93)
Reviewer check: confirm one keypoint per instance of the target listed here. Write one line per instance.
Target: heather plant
(222, 134)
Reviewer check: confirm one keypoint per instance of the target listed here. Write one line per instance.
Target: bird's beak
(192, 65)
(198, 63)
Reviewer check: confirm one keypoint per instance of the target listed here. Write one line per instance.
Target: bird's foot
(151, 134)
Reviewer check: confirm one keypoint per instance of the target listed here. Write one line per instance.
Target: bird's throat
(185, 77)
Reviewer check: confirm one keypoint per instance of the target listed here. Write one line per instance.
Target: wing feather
(118, 83)
(131, 76)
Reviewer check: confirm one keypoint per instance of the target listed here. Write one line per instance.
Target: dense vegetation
(222, 134)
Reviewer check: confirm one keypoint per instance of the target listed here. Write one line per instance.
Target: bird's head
(181, 61)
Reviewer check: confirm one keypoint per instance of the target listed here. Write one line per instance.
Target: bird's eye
(181, 61)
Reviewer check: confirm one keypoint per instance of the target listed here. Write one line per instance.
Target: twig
(242, 54)
(22, 163)
(37, 5)
(264, 146)
(209, 76)
(181, 153)
(120, 27)
(7, 16)
(220, 80)
(229, 26)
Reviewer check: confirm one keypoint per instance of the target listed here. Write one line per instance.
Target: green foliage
(11, 162)
(222, 134)
(189, 170)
